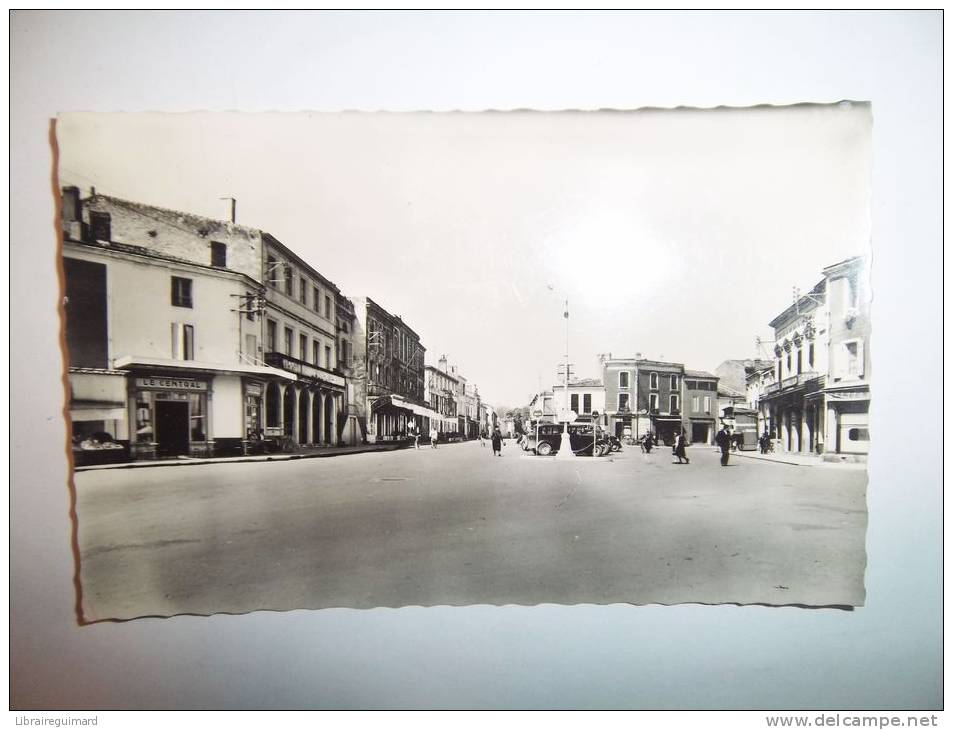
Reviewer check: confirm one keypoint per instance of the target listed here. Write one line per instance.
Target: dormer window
(100, 226)
(218, 254)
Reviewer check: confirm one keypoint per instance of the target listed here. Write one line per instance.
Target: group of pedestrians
(434, 434)
(723, 440)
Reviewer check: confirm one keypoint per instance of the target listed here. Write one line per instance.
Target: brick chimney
(72, 213)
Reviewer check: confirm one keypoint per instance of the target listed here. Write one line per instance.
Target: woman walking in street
(679, 450)
(497, 441)
(433, 437)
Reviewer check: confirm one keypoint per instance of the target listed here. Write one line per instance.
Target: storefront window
(252, 415)
(145, 432)
(197, 416)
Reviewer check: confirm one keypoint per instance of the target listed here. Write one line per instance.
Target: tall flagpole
(565, 444)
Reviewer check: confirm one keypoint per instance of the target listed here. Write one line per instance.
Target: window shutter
(188, 342)
(176, 340)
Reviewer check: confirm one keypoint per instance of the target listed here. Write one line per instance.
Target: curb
(231, 460)
(773, 461)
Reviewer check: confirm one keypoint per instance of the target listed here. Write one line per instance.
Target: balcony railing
(808, 379)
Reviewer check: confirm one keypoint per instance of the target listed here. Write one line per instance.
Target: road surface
(457, 526)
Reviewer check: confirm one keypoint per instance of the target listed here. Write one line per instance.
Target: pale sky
(675, 233)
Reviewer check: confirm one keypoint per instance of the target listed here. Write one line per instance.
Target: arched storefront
(309, 408)
(272, 405)
(329, 435)
(304, 410)
(289, 411)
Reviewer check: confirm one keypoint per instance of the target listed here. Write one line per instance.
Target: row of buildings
(813, 396)
(193, 336)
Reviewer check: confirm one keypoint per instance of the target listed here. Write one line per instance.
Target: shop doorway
(700, 433)
(172, 427)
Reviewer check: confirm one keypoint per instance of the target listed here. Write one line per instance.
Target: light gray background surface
(886, 655)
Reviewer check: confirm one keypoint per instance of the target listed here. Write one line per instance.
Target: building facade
(733, 383)
(644, 396)
(542, 407)
(440, 394)
(793, 402)
(160, 307)
(700, 412)
(392, 387)
(354, 427)
(300, 325)
(846, 395)
(586, 396)
(819, 399)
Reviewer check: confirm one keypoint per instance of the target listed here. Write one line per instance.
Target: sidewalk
(317, 452)
(797, 459)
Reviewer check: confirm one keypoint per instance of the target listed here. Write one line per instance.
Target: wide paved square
(457, 526)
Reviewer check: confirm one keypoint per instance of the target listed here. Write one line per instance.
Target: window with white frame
(672, 403)
(674, 382)
(181, 292)
(623, 379)
(707, 404)
(653, 401)
(623, 401)
(653, 381)
(696, 403)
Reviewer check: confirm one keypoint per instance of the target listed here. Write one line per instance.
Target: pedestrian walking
(415, 430)
(497, 441)
(482, 440)
(433, 437)
(679, 449)
(648, 442)
(723, 439)
(764, 441)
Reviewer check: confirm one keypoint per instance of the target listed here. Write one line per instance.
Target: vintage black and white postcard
(387, 359)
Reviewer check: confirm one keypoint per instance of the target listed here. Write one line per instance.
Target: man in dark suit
(723, 439)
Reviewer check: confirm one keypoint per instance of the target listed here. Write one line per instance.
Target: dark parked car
(549, 439)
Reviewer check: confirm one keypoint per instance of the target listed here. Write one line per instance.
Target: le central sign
(171, 384)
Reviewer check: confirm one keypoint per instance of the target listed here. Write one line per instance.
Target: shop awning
(396, 401)
(672, 419)
(130, 362)
(94, 412)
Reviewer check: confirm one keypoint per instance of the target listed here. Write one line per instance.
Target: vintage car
(548, 438)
